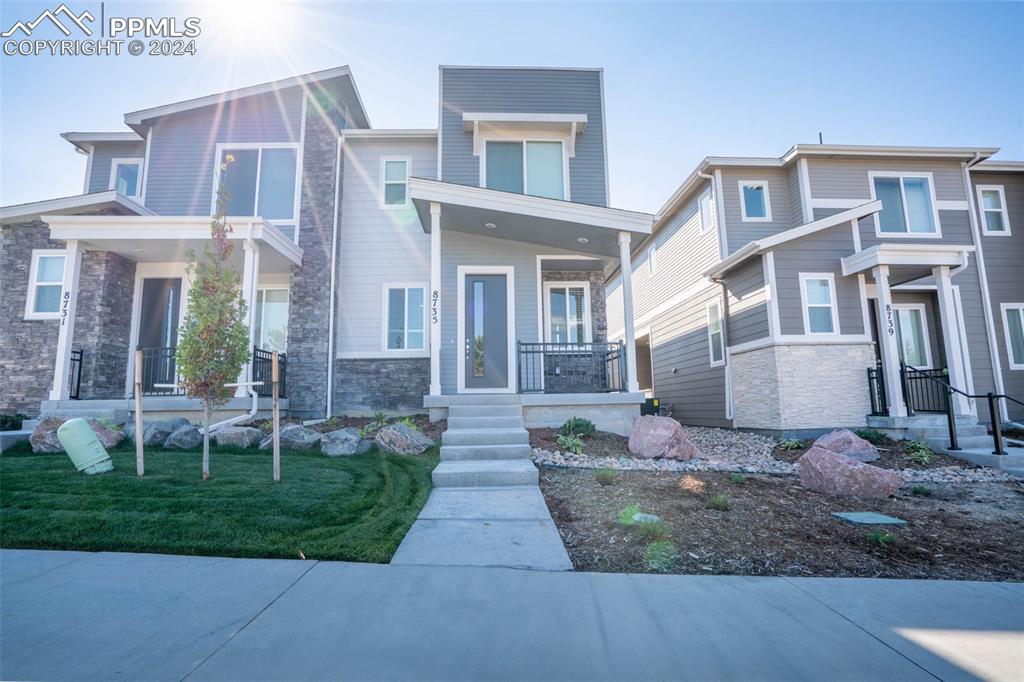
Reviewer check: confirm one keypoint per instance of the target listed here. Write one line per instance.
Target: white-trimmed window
(755, 204)
(995, 220)
(535, 167)
(818, 296)
(405, 317)
(1013, 327)
(652, 260)
(261, 180)
(705, 208)
(912, 334)
(908, 204)
(126, 176)
(271, 314)
(716, 340)
(567, 313)
(394, 183)
(45, 284)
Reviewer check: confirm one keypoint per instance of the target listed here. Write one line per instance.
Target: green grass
(342, 508)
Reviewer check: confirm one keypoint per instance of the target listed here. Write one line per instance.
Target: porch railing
(262, 363)
(571, 367)
(923, 388)
(876, 389)
(159, 371)
(75, 375)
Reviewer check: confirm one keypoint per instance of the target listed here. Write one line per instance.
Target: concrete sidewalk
(68, 615)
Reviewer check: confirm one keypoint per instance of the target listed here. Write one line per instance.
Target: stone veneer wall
(598, 308)
(103, 322)
(388, 384)
(789, 387)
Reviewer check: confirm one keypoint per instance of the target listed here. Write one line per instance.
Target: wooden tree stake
(140, 466)
(275, 378)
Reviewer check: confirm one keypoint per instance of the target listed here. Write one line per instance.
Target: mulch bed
(599, 444)
(775, 527)
(891, 455)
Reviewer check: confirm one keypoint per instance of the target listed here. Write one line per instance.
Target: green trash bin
(84, 447)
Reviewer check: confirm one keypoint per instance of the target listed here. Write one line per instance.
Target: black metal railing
(262, 370)
(922, 388)
(571, 367)
(876, 388)
(75, 375)
(159, 372)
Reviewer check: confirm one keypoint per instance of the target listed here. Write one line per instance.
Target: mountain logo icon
(54, 17)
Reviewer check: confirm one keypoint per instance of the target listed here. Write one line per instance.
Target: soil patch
(892, 454)
(775, 527)
(598, 444)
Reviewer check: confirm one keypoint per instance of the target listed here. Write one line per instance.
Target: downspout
(242, 417)
(334, 275)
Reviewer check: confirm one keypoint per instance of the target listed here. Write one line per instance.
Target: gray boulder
(401, 439)
(293, 437)
(344, 442)
(237, 436)
(44, 436)
(155, 432)
(186, 437)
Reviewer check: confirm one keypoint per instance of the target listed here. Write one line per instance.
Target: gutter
(334, 276)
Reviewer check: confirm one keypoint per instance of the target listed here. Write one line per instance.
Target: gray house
(823, 288)
(395, 269)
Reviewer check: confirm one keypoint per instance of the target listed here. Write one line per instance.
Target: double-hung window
(716, 341)
(1013, 325)
(534, 167)
(46, 281)
(818, 295)
(259, 180)
(912, 334)
(405, 317)
(568, 312)
(755, 204)
(908, 204)
(705, 211)
(126, 177)
(394, 183)
(271, 332)
(995, 221)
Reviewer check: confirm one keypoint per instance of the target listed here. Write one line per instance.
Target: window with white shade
(260, 180)
(818, 295)
(716, 340)
(534, 167)
(755, 204)
(271, 331)
(1013, 326)
(45, 284)
(995, 220)
(912, 335)
(126, 177)
(405, 317)
(908, 204)
(567, 312)
(394, 183)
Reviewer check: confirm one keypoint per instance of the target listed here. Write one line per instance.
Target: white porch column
(435, 298)
(250, 278)
(951, 337)
(626, 268)
(60, 389)
(887, 343)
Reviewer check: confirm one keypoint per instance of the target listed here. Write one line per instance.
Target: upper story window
(908, 204)
(1013, 325)
(755, 205)
(705, 211)
(818, 294)
(394, 183)
(995, 220)
(405, 317)
(261, 180)
(126, 177)
(534, 167)
(568, 312)
(716, 341)
(45, 283)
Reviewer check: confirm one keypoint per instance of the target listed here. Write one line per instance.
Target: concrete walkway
(68, 615)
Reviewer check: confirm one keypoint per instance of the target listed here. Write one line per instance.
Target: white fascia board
(877, 150)
(85, 141)
(759, 161)
(538, 207)
(388, 134)
(999, 166)
(469, 119)
(38, 208)
(932, 255)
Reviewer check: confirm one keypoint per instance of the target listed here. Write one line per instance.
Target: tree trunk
(206, 441)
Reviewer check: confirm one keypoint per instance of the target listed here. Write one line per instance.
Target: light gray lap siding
(848, 178)
(740, 232)
(524, 90)
(746, 304)
(102, 155)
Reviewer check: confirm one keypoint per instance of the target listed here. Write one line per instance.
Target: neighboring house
(760, 294)
(394, 268)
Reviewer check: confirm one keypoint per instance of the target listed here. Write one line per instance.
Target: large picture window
(908, 205)
(45, 284)
(567, 312)
(405, 317)
(534, 167)
(260, 180)
(818, 294)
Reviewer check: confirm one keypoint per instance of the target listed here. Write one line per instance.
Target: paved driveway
(68, 615)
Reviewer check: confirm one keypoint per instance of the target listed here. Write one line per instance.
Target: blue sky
(683, 80)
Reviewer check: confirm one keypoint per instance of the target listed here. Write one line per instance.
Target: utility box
(651, 407)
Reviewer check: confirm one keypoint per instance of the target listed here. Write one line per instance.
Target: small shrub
(661, 556)
(652, 531)
(871, 435)
(605, 476)
(12, 422)
(791, 444)
(882, 538)
(573, 444)
(407, 421)
(918, 452)
(719, 503)
(578, 426)
(380, 420)
(367, 431)
(627, 514)
(738, 479)
(921, 491)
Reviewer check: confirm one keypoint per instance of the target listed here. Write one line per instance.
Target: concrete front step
(920, 420)
(1012, 461)
(961, 430)
(485, 436)
(8, 439)
(484, 399)
(485, 411)
(460, 423)
(485, 474)
(967, 442)
(479, 453)
(116, 416)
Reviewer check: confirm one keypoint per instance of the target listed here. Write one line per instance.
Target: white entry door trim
(510, 307)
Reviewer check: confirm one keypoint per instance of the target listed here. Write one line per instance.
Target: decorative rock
(344, 442)
(846, 442)
(826, 472)
(660, 437)
(237, 436)
(293, 437)
(401, 439)
(44, 436)
(155, 432)
(641, 517)
(185, 437)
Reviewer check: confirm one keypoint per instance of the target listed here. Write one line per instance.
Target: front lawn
(341, 508)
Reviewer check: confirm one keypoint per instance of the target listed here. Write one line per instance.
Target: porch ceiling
(548, 222)
(907, 262)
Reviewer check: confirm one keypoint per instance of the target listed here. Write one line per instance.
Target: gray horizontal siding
(741, 233)
(103, 153)
(796, 209)
(848, 178)
(747, 303)
(543, 91)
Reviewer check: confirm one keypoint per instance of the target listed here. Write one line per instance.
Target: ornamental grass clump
(605, 476)
(661, 556)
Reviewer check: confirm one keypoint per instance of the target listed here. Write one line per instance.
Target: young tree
(214, 342)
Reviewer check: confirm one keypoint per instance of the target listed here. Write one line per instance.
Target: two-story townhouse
(786, 293)
(396, 269)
